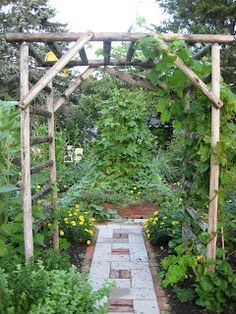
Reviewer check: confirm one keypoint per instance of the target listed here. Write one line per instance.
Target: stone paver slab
(146, 307)
(133, 293)
(99, 269)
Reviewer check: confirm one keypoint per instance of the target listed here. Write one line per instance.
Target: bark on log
(40, 167)
(114, 36)
(133, 79)
(40, 139)
(46, 189)
(40, 112)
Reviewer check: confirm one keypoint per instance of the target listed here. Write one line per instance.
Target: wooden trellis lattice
(45, 83)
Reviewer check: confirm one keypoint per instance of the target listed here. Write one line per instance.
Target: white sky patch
(105, 15)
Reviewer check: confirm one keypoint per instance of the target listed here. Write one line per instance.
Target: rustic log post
(54, 70)
(214, 171)
(53, 170)
(25, 153)
(71, 89)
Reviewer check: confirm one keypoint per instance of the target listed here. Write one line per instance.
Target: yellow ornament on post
(50, 56)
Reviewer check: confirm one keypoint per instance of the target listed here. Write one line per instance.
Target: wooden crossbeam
(41, 166)
(134, 79)
(130, 52)
(56, 49)
(113, 36)
(98, 63)
(45, 190)
(197, 82)
(130, 78)
(71, 89)
(56, 68)
(33, 53)
(34, 81)
(34, 140)
(40, 112)
(202, 52)
(83, 56)
(107, 51)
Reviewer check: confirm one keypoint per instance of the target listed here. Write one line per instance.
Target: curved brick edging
(162, 299)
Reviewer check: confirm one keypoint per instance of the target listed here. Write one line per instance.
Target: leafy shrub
(76, 225)
(32, 289)
(216, 291)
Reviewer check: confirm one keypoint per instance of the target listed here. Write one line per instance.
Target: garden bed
(178, 307)
(76, 254)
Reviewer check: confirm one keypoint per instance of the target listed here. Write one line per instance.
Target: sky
(105, 15)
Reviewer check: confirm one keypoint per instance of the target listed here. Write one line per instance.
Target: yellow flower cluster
(78, 225)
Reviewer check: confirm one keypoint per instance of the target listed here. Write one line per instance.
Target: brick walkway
(120, 255)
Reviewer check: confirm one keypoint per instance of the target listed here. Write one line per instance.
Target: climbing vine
(189, 111)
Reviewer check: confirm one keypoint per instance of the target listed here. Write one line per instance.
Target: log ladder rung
(47, 188)
(41, 166)
(41, 112)
(34, 140)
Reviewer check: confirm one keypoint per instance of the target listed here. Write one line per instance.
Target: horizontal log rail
(41, 166)
(34, 140)
(99, 62)
(45, 190)
(113, 36)
(40, 112)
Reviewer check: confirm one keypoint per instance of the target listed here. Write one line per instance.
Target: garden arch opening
(45, 83)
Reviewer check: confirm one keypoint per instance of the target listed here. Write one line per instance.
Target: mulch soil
(76, 253)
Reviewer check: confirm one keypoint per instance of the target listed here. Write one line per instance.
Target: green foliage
(185, 295)
(215, 17)
(33, 289)
(177, 266)
(120, 158)
(216, 291)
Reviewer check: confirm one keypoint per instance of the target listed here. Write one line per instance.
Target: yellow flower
(201, 258)
(65, 186)
(38, 187)
(81, 223)
(131, 191)
(70, 215)
(88, 242)
(65, 219)
(154, 223)
(66, 222)
(155, 213)
(174, 222)
(73, 223)
(139, 193)
(77, 206)
(156, 219)
(76, 214)
(134, 188)
(91, 232)
(49, 225)
(62, 233)
(81, 218)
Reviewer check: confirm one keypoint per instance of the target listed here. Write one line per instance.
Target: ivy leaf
(165, 116)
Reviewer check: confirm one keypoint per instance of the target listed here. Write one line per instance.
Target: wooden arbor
(45, 83)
